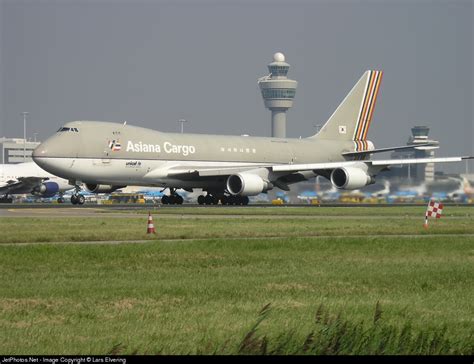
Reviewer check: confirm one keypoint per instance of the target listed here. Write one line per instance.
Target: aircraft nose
(41, 155)
(56, 154)
(40, 151)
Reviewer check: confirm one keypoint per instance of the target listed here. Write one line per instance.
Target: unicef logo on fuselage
(168, 148)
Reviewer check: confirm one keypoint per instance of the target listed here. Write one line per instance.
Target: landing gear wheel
(74, 199)
(165, 200)
(245, 200)
(178, 200)
(201, 200)
(226, 200)
(208, 200)
(81, 199)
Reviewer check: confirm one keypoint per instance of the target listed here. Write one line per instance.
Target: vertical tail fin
(351, 120)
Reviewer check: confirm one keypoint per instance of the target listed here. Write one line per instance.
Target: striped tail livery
(352, 118)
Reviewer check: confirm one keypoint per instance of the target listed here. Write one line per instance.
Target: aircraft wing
(191, 172)
(10, 186)
(214, 171)
(388, 162)
(378, 164)
(20, 184)
(211, 172)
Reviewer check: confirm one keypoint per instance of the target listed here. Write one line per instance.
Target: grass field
(202, 285)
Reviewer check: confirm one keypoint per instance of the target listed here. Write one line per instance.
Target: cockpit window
(61, 129)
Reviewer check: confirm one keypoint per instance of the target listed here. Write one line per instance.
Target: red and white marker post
(434, 209)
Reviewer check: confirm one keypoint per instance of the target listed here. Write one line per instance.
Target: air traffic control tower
(278, 93)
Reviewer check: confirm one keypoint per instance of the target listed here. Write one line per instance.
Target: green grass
(206, 223)
(333, 335)
(205, 295)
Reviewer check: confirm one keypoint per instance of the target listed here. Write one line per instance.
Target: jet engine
(246, 184)
(46, 189)
(95, 188)
(350, 178)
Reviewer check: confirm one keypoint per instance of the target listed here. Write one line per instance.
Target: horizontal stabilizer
(390, 149)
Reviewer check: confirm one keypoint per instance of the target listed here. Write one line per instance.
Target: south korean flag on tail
(435, 209)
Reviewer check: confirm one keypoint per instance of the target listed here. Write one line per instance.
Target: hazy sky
(154, 62)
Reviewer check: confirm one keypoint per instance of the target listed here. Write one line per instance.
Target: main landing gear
(172, 199)
(223, 199)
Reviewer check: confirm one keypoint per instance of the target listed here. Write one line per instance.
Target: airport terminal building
(16, 150)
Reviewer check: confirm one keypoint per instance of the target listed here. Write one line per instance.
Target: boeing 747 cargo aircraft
(106, 156)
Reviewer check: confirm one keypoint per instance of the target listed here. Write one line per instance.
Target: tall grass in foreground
(335, 335)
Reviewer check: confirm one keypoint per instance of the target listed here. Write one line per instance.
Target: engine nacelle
(46, 189)
(350, 178)
(246, 184)
(95, 188)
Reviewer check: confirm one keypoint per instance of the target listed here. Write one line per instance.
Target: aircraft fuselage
(117, 154)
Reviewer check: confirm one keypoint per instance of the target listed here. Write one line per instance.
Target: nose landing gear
(77, 198)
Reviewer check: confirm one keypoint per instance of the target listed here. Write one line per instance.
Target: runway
(189, 210)
(94, 212)
(41, 211)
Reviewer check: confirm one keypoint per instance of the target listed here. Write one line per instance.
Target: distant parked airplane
(463, 192)
(29, 178)
(383, 193)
